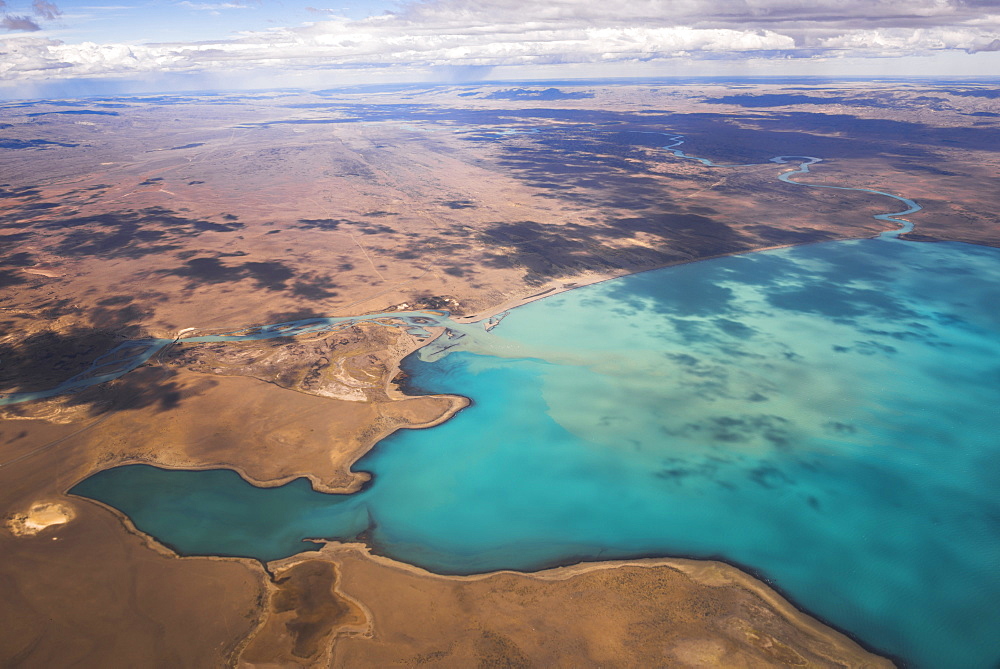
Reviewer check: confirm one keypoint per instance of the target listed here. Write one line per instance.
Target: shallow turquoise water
(827, 416)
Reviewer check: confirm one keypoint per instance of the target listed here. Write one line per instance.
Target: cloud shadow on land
(271, 275)
(875, 99)
(128, 234)
(709, 134)
(364, 227)
(32, 144)
(553, 251)
(8, 191)
(46, 359)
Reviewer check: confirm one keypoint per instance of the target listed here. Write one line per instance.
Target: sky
(83, 46)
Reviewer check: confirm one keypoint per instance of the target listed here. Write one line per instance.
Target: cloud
(11, 22)
(212, 7)
(737, 14)
(983, 45)
(464, 38)
(47, 10)
(42, 8)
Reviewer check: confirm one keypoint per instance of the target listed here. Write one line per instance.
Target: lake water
(827, 416)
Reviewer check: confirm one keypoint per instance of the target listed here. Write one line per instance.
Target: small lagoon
(826, 416)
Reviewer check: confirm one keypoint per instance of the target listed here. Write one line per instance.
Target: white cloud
(211, 6)
(488, 33)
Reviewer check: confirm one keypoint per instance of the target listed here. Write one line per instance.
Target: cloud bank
(456, 35)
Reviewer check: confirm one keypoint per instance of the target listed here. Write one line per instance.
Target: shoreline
(751, 579)
(421, 183)
(712, 571)
(908, 227)
(360, 480)
(545, 293)
(700, 569)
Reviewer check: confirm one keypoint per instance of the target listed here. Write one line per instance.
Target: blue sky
(168, 21)
(264, 43)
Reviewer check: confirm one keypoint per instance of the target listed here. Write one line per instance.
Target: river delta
(819, 415)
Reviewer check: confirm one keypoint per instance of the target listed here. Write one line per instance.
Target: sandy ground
(92, 592)
(624, 614)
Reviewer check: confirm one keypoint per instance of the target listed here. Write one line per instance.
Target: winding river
(824, 416)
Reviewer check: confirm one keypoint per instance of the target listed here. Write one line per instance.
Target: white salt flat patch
(40, 516)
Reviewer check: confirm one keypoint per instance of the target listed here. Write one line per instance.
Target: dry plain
(154, 216)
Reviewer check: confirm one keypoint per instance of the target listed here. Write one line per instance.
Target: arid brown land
(134, 217)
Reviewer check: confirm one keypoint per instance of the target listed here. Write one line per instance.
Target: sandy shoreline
(709, 573)
(712, 573)
(458, 403)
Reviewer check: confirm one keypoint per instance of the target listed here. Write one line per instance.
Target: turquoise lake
(825, 416)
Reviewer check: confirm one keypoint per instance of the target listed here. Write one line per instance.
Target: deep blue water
(827, 416)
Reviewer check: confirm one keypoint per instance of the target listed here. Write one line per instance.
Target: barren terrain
(132, 217)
